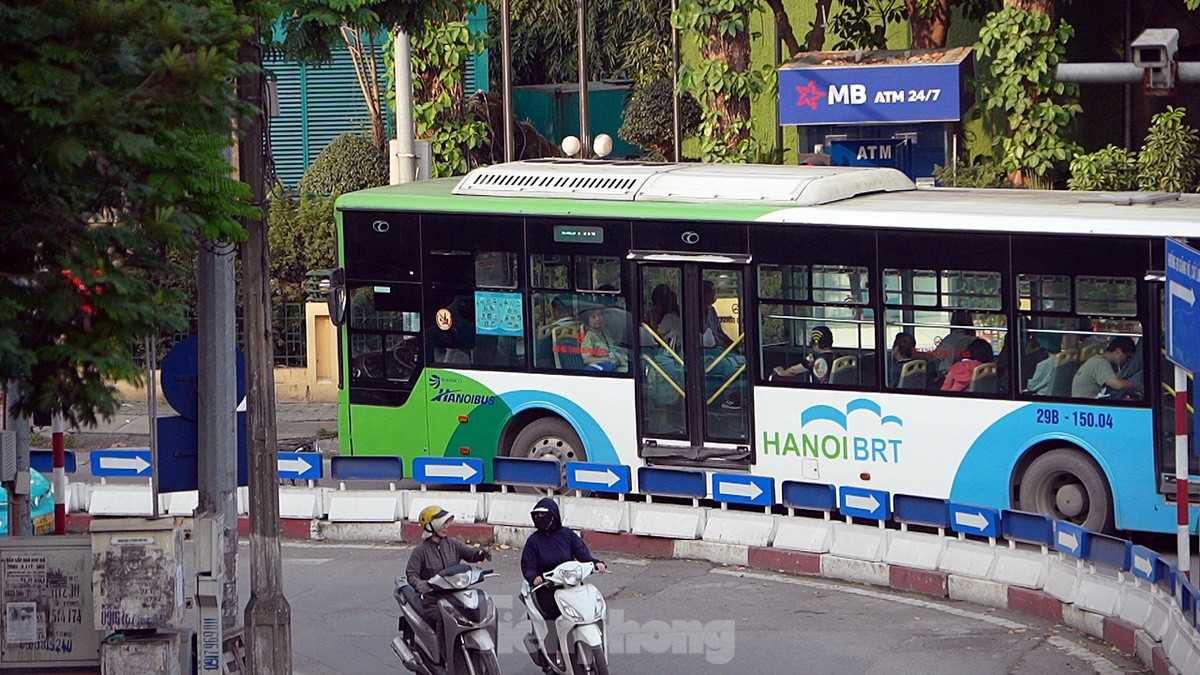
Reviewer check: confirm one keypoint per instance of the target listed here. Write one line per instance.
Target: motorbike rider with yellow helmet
(436, 552)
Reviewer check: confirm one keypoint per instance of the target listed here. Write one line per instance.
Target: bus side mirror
(336, 296)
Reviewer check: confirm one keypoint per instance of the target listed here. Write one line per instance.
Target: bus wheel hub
(1071, 500)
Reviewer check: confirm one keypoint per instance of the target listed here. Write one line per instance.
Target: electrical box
(553, 109)
(137, 573)
(8, 455)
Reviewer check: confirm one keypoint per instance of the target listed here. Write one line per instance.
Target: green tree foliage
(1169, 157)
(984, 172)
(863, 24)
(311, 29)
(1025, 110)
(300, 233)
(722, 81)
(113, 119)
(649, 118)
(350, 162)
(440, 107)
(1112, 169)
(626, 39)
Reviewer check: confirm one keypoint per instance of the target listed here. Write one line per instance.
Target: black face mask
(543, 521)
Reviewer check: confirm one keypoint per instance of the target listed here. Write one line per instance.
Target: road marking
(1101, 664)
(308, 561)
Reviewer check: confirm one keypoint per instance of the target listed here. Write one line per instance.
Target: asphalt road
(685, 617)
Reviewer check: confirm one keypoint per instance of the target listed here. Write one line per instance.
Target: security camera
(1155, 48)
(1154, 51)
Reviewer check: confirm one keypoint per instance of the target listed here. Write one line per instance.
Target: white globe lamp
(571, 146)
(603, 145)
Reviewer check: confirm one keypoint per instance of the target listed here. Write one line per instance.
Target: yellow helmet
(434, 519)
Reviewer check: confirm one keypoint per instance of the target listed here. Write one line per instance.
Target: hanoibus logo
(829, 433)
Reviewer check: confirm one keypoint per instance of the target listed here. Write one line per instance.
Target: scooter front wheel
(484, 663)
(589, 660)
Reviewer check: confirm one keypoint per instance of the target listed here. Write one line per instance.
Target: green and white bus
(742, 318)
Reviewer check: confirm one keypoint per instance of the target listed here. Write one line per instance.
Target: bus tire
(549, 438)
(1067, 485)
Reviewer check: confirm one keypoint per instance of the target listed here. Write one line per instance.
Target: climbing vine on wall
(722, 81)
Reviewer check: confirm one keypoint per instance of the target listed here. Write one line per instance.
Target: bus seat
(568, 351)
(844, 370)
(1066, 363)
(1091, 350)
(912, 374)
(983, 379)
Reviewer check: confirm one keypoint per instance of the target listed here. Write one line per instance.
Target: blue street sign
(921, 510)
(300, 465)
(738, 488)
(859, 502)
(1071, 539)
(599, 477)
(43, 460)
(180, 374)
(1183, 316)
(978, 520)
(448, 470)
(815, 496)
(366, 467)
(123, 462)
(525, 471)
(178, 453)
(677, 482)
(1144, 564)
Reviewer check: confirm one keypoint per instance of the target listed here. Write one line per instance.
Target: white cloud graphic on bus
(832, 414)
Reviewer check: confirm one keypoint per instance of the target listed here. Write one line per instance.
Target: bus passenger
(1041, 383)
(601, 352)
(1101, 370)
(902, 352)
(958, 378)
(953, 346)
(819, 361)
(714, 336)
(562, 316)
(664, 317)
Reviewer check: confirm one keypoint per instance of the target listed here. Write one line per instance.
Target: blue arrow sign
(300, 465)
(1183, 313)
(743, 489)
(859, 502)
(978, 520)
(1144, 563)
(1071, 539)
(448, 470)
(124, 462)
(599, 477)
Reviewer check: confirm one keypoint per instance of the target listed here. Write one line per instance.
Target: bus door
(693, 392)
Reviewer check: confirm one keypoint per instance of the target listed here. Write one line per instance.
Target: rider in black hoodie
(550, 546)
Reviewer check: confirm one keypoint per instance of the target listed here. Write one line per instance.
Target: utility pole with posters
(268, 616)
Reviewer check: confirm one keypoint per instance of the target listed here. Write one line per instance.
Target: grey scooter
(468, 616)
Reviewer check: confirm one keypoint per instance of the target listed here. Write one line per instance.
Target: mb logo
(851, 94)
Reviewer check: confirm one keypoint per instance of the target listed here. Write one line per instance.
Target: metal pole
(152, 406)
(268, 616)
(585, 140)
(506, 79)
(18, 489)
(676, 118)
(778, 126)
(405, 132)
(1182, 498)
(216, 421)
(59, 461)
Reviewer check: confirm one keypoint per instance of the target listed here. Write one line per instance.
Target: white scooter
(468, 626)
(578, 634)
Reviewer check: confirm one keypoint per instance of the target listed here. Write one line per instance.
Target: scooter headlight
(600, 606)
(570, 578)
(572, 613)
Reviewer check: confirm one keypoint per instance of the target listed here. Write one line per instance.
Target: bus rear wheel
(1066, 485)
(550, 438)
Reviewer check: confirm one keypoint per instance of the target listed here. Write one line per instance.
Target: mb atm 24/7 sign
(866, 94)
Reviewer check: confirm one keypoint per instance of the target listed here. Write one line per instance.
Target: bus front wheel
(549, 438)
(1066, 485)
